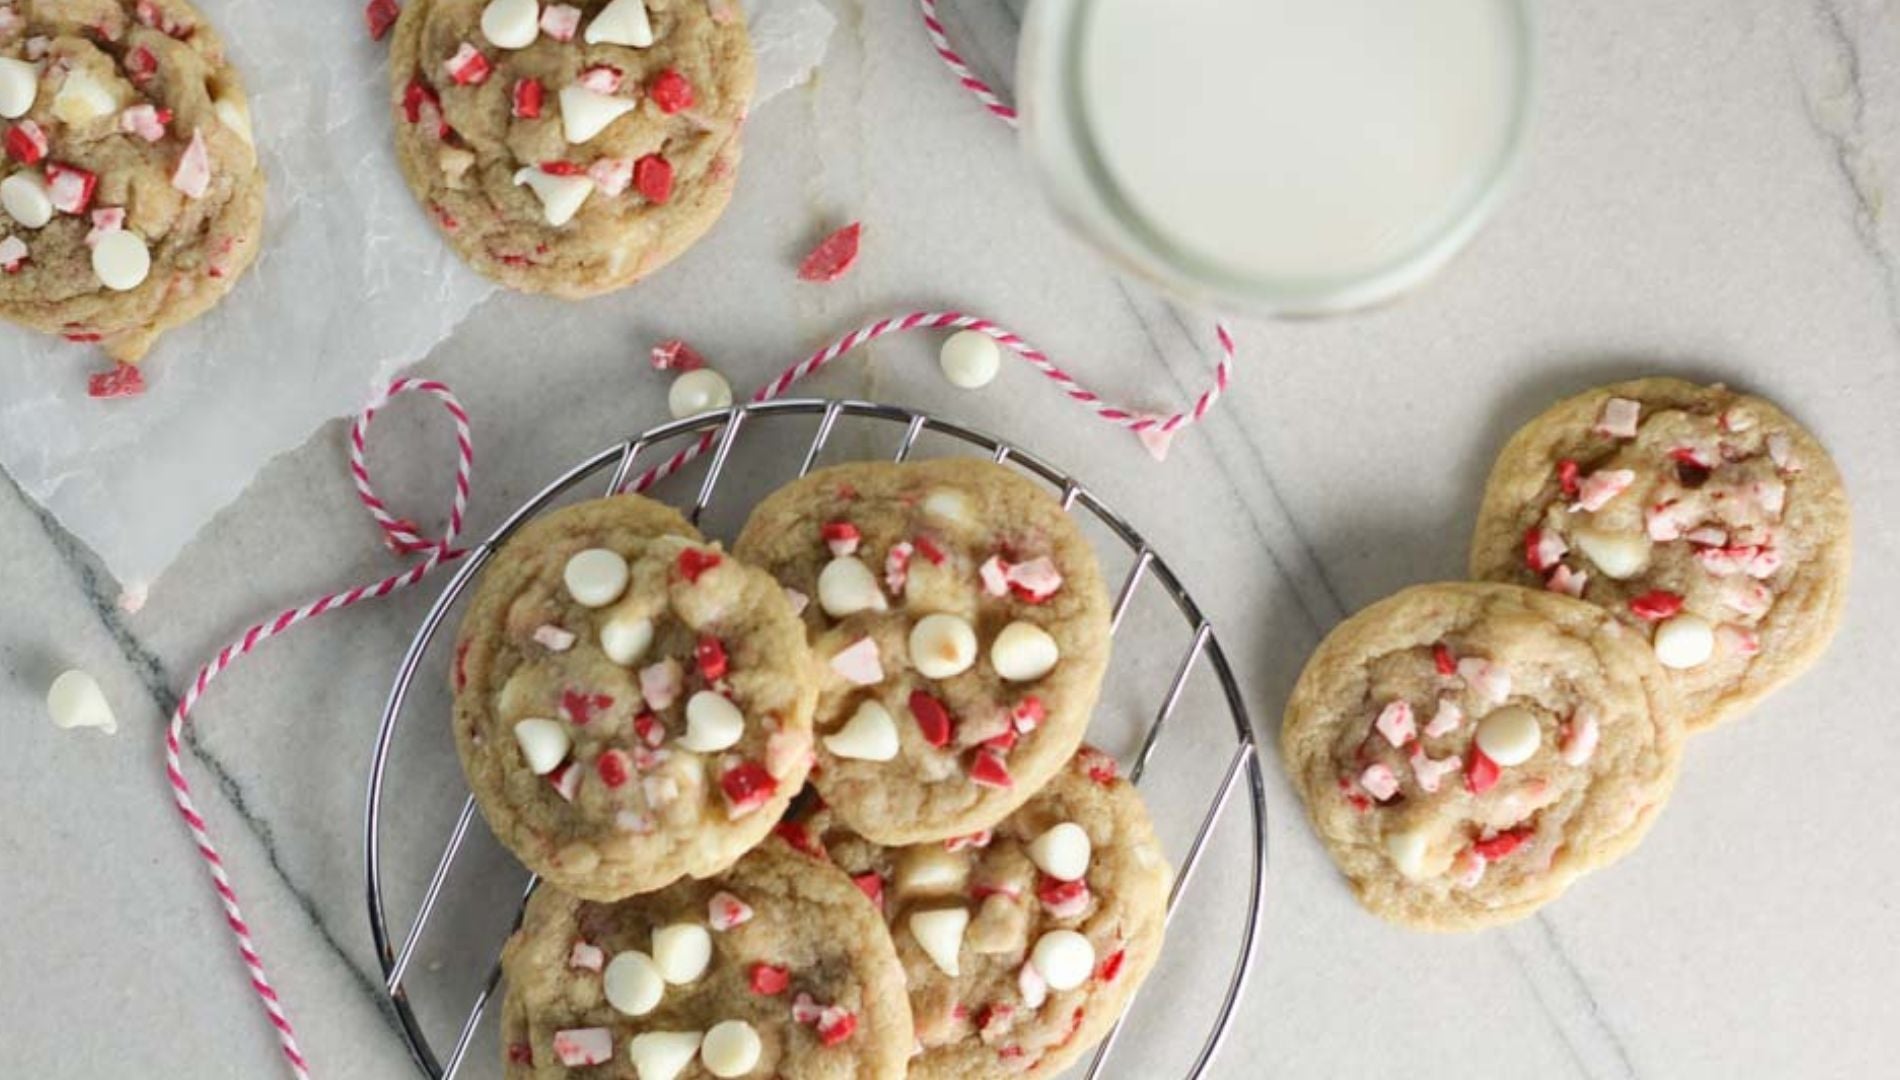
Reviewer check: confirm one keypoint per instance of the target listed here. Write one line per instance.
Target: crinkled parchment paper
(352, 285)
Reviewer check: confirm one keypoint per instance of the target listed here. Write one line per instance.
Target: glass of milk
(1280, 157)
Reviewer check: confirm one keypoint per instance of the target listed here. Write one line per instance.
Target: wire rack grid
(722, 429)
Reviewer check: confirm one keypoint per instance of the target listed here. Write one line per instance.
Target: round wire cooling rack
(411, 983)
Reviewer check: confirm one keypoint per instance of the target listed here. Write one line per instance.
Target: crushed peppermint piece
(193, 174)
(1379, 781)
(146, 121)
(841, 538)
(660, 684)
(1034, 581)
(833, 256)
(653, 178)
(1567, 472)
(105, 220)
(1577, 741)
(1396, 723)
(670, 91)
(584, 1046)
(1619, 418)
(1028, 715)
(1481, 773)
(897, 566)
(1655, 605)
(987, 769)
(933, 719)
(1429, 771)
(1567, 581)
(1467, 869)
(1665, 520)
(675, 355)
(527, 97)
(601, 79)
(969, 841)
(27, 143)
(585, 957)
(994, 576)
(613, 176)
(553, 638)
(1600, 487)
(1446, 720)
(694, 562)
(560, 21)
(13, 254)
(615, 768)
(468, 67)
(835, 1025)
(747, 786)
(725, 911)
(70, 187)
(1488, 680)
(1062, 899)
(859, 663)
(768, 980)
(805, 1009)
(1501, 845)
(1737, 640)
(380, 15)
(1443, 660)
(710, 656)
(871, 884)
(1543, 548)
(124, 380)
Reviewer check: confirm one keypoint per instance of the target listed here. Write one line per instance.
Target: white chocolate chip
(632, 983)
(595, 577)
(1064, 958)
(1406, 849)
(1023, 652)
(625, 638)
(621, 22)
(942, 646)
(19, 87)
(846, 586)
(947, 504)
(121, 260)
(929, 870)
(511, 24)
(586, 113)
(561, 196)
(234, 113)
(1509, 736)
(1619, 555)
(82, 98)
(1684, 642)
(1580, 738)
(1030, 982)
(27, 199)
(970, 360)
(731, 1049)
(75, 701)
(940, 934)
(1062, 852)
(695, 392)
(859, 663)
(662, 1055)
(682, 952)
(544, 743)
(870, 735)
(713, 723)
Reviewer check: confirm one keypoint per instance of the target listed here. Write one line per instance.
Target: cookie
(1705, 519)
(777, 967)
(631, 704)
(961, 629)
(133, 198)
(1465, 751)
(570, 149)
(1021, 945)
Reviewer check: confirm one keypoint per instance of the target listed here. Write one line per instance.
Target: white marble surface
(1707, 192)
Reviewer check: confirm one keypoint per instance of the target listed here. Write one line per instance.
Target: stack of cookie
(965, 891)
(1661, 556)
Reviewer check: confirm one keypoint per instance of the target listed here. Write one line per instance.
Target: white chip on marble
(511, 24)
(622, 22)
(1685, 641)
(544, 743)
(1023, 652)
(731, 1049)
(682, 951)
(846, 586)
(713, 723)
(625, 638)
(940, 934)
(19, 87)
(662, 1055)
(76, 701)
(595, 577)
(1062, 852)
(1064, 958)
(870, 735)
(632, 983)
(1509, 736)
(942, 646)
(970, 359)
(695, 392)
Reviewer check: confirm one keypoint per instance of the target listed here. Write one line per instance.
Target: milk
(1313, 153)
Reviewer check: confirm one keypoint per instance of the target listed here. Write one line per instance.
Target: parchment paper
(352, 285)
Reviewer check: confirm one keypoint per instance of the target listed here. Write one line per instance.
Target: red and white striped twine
(404, 538)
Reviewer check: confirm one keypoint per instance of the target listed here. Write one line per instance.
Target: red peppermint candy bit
(1503, 843)
(1481, 773)
(581, 708)
(1101, 768)
(419, 100)
(987, 769)
(1568, 473)
(833, 255)
(140, 65)
(1443, 660)
(601, 79)
(528, 95)
(648, 727)
(747, 786)
(26, 143)
(768, 980)
(13, 255)
(381, 15)
(562, 168)
(835, 1025)
(1003, 743)
(461, 665)
(930, 550)
(991, 1017)
(653, 178)
(670, 91)
(872, 886)
(1111, 965)
(1064, 899)
(841, 537)
(932, 718)
(800, 838)
(676, 355)
(615, 767)
(710, 655)
(1655, 605)
(1352, 796)
(468, 67)
(126, 380)
(518, 1053)
(967, 841)
(1028, 714)
(1012, 1053)
(694, 562)
(70, 187)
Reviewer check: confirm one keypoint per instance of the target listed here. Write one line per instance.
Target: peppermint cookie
(570, 148)
(631, 704)
(961, 629)
(1705, 519)
(1465, 751)
(778, 967)
(132, 195)
(1022, 944)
